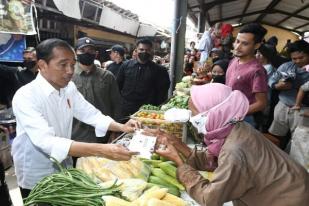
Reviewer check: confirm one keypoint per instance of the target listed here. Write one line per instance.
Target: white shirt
(44, 119)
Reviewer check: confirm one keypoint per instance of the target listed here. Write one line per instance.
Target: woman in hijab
(218, 71)
(248, 168)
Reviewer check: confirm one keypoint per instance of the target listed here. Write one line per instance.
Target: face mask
(199, 122)
(144, 56)
(86, 58)
(29, 64)
(219, 78)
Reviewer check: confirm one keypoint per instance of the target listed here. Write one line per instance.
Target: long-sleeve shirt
(142, 84)
(44, 119)
(293, 74)
(251, 171)
(99, 87)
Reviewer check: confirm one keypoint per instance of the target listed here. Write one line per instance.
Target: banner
(12, 47)
(16, 17)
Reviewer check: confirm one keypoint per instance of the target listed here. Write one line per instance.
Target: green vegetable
(154, 163)
(155, 156)
(159, 173)
(171, 190)
(158, 181)
(149, 107)
(168, 169)
(171, 162)
(70, 187)
(177, 102)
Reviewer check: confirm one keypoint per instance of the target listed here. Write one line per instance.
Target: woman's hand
(170, 152)
(172, 139)
(176, 142)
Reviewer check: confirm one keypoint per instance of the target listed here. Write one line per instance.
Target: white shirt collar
(47, 87)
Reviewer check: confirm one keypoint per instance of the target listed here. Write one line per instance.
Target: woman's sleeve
(201, 160)
(231, 181)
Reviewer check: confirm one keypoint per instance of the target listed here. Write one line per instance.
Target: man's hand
(116, 152)
(130, 126)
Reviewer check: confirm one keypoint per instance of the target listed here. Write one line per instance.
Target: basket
(178, 129)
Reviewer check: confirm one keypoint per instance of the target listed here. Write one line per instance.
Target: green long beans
(70, 187)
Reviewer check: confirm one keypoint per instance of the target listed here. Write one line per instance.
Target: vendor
(248, 169)
(44, 111)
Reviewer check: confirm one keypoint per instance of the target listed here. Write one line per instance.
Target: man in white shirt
(44, 111)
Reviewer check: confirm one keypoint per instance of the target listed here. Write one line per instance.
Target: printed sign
(16, 17)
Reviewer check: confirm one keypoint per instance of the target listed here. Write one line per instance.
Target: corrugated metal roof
(291, 15)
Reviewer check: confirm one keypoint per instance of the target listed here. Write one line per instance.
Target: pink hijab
(223, 107)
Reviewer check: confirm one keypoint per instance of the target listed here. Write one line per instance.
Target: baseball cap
(85, 41)
(117, 48)
(29, 49)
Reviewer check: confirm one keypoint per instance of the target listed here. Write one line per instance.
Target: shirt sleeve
(277, 75)
(260, 81)
(29, 116)
(87, 113)
(201, 160)
(231, 181)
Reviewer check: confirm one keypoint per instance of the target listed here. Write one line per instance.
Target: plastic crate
(178, 129)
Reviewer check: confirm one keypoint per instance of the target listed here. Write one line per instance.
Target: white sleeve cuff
(60, 148)
(102, 124)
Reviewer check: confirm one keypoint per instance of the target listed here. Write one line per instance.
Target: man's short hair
(256, 29)
(45, 48)
(144, 41)
(299, 46)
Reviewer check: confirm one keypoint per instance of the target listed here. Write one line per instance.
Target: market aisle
(13, 187)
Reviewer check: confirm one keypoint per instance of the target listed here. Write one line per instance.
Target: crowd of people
(253, 65)
(67, 104)
(250, 95)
